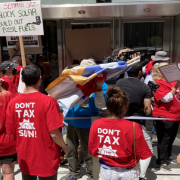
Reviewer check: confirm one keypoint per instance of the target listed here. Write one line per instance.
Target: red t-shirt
(30, 117)
(166, 109)
(112, 141)
(9, 86)
(7, 143)
(15, 78)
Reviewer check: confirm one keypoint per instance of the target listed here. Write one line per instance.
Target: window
(146, 34)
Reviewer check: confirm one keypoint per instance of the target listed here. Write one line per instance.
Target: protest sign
(170, 72)
(21, 18)
(83, 43)
(29, 41)
(29, 50)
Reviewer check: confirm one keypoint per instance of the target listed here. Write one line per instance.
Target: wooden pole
(22, 51)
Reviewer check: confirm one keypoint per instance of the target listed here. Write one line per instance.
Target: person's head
(160, 56)
(156, 74)
(31, 76)
(135, 71)
(117, 102)
(8, 68)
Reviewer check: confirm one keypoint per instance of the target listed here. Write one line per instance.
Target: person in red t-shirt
(167, 105)
(34, 120)
(8, 69)
(111, 139)
(8, 154)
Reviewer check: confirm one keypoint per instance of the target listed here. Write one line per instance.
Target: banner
(29, 41)
(21, 18)
(68, 88)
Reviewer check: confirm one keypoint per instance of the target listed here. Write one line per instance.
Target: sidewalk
(152, 173)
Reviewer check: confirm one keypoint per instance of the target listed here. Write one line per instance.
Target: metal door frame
(168, 34)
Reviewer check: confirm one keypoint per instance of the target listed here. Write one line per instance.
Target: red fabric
(90, 87)
(7, 143)
(149, 67)
(9, 86)
(46, 66)
(30, 118)
(169, 109)
(15, 79)
(112, 141)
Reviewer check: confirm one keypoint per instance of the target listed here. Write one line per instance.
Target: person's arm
(147, 106)
(57, 137)
(14, 51)
(99, 96)
(147, 100)
(169, 96)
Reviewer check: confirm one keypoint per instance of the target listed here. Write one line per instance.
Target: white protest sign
(21, 86)
(21, 18)
(29, 41)
(170, 72)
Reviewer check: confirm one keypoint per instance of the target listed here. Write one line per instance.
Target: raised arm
(14, 51)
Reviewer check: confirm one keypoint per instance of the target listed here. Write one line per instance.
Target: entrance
(152, 34)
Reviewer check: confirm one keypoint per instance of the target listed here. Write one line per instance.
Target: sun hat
(160, 56)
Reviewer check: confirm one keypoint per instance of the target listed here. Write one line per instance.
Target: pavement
(153, 173)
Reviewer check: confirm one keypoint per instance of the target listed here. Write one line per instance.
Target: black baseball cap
(7, 65)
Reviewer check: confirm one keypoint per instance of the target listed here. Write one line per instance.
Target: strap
(134, 144)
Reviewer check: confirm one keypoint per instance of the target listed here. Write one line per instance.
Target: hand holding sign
(170, 72)
(177, 84)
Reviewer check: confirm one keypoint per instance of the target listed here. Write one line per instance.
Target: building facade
(132, 23)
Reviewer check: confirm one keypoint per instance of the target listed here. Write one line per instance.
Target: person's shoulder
(6, 94)
(129, 124)
(98, 121)
(48, 99)
(144, 86)
(5, 78)
(121, 81)
(161, 82)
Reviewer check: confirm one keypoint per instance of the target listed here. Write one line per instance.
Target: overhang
(104, 10)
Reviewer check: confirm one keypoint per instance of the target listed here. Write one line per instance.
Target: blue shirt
(87, 110)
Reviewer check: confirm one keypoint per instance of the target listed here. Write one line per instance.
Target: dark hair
(31, 75)
(117, 101)
(134, 71)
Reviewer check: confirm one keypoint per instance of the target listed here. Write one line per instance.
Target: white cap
(87, 62)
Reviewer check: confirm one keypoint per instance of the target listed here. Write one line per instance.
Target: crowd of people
(31, 124)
